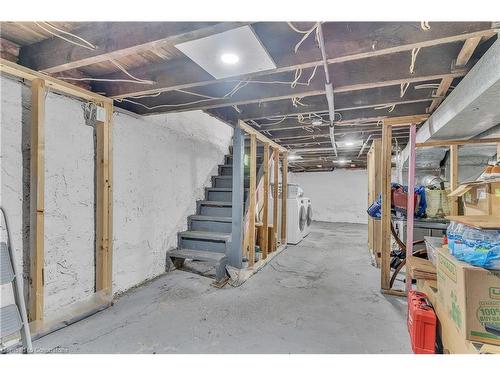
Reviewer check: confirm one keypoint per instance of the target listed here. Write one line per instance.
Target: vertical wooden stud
(284, 187)
(386, 206)
(410, 202)
(252, 200)
(265, 203)
(37, 199)
(453, 178)
(275, 196)
(104, 203)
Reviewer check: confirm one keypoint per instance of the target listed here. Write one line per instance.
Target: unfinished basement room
(282, 186)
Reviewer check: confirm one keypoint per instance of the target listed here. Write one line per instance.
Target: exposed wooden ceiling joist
(113, 40)
(353, 41)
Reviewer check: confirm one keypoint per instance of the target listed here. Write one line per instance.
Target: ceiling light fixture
(342, 161)
(349, 143)
(229, 58)
(317, 122)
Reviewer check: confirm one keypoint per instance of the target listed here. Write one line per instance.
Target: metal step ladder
(13, 318)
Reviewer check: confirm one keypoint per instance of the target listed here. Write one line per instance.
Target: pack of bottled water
(478, 247)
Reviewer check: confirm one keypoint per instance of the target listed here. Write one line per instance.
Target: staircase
(208, 236)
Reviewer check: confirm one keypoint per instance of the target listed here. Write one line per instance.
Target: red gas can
(421, 323)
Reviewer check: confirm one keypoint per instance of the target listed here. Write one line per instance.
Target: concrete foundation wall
(337, 196)
(161, 165)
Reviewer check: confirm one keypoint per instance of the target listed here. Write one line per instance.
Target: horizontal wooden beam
(56, 84)
(405, 120)
(259, 136)
(451, 142)
(376, 72)
(356, 42)
(115, 40)
(344, 101)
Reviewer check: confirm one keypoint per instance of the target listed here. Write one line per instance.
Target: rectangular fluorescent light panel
(231, 53)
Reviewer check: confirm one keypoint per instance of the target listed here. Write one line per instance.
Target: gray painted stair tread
(205, 235)
(206, 256)
(10, 320)
(216, 203)
(6, 271)
(225, 219)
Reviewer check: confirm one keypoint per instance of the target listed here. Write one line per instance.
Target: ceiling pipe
(328, 87)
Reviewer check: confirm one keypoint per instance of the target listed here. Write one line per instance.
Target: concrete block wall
(161, 165)
(337, 196)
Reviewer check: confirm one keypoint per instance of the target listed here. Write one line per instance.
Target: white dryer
(309, 216)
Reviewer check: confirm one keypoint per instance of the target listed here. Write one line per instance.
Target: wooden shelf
(478, 221)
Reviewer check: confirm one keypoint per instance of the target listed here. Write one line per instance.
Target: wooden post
(37, 199)
(386, 206)
(104, 203)
(453, 178)
(252, 200)
(284, 187)
(236, 253)
(275, 196)
(410, 205)
(265, 203)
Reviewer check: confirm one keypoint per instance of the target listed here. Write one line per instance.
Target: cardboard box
(469, 296)
(479, 197)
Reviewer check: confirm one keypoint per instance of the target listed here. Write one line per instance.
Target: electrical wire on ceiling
(425, 25)
(139, 80)
(414, 53)
(403, 89)
(389, 107)
(305, 32)
(86, 44)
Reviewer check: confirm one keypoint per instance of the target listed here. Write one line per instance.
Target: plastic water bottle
(450, 234)
(458, 240)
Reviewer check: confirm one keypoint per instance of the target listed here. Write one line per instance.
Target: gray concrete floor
(321, 296)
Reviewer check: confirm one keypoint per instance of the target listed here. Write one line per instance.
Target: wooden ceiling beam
(377, 72)
(370, 40)
(114, 40)
(344, 101)
(463, 58)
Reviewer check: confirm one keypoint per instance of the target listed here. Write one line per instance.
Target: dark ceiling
(369, 65)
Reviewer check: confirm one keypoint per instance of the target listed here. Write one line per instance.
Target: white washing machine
(309, 216)
(296, 220)
(296, 213)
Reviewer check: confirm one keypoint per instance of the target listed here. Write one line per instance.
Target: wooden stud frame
(37, 198)
(252, 200)
(104, 210)
(265, 205)
(386, 163)
(284, 192)
(276, 166)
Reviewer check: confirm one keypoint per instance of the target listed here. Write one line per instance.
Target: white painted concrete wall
(337, 196)
(161, 165)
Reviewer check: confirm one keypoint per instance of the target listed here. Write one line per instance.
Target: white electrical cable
(87, 44)
(425, 25)
(305, 32)
(414, 53)
(389, 106)
(404, 88)
(139, 80)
